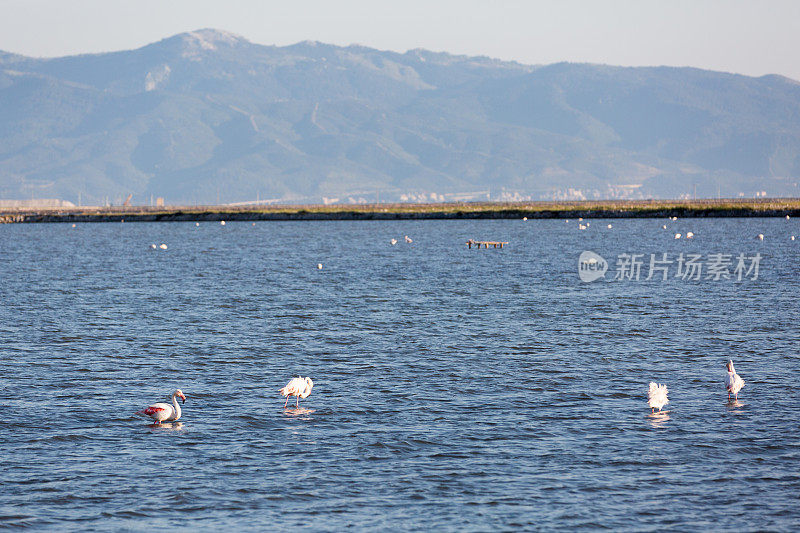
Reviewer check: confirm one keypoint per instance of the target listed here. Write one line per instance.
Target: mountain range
(209, 117)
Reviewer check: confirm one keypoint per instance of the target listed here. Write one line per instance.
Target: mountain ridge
(207, 115)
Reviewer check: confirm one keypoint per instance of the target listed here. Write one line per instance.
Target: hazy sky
(749, 37)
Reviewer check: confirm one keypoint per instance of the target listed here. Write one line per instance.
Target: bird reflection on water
(658, 419)
(299, 412)
(734, 406)
(167, 426)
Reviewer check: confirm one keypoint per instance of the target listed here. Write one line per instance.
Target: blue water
(455, 389)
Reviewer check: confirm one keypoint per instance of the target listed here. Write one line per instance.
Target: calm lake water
(455, 389)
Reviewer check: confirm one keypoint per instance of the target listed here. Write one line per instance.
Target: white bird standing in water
(300, 387)
(393, 242)
(657, 396)
(164, 412)
(733, 382)
(408, 239)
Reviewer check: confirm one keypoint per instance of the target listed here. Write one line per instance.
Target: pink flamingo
(657, 396)
(733, 382)
(300, 387)
(164, 412)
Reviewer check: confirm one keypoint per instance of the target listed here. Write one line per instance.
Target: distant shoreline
(442, 211)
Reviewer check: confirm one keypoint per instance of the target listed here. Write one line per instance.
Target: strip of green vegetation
(588, 209)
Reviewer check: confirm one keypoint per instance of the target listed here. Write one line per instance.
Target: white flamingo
(300, 387)
(733, 382)
(657, 396)
(164, 412)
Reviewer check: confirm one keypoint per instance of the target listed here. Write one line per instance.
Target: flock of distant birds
(581, 226)
(689, 234)
(300, 387)
(164, 246)
(407, 239)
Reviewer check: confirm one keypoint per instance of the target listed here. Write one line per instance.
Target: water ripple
(454, 390)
